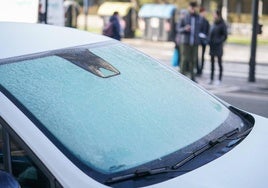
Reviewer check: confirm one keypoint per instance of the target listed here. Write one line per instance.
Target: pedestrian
(114, 19)
(41, 14)
(203, 35)
(217, 37)
(177, 50)
(71, 9)
(189, 30)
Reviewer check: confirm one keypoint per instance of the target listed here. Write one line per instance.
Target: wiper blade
(209, 145)
(150, 172)
(139, 173)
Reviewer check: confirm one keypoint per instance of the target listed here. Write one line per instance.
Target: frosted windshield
(116, 123)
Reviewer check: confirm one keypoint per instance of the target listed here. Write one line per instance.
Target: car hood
(244, 166)
(43, 38)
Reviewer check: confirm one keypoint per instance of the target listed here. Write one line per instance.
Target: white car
(83, 110)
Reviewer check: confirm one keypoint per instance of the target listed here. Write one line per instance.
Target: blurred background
(149, 25)
(138, 16)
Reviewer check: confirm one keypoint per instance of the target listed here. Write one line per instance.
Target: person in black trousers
(203, 35)
(217, 37)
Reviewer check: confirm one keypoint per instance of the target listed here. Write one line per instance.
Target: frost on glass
(115, 123)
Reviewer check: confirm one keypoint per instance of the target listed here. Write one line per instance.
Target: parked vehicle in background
(92, 112)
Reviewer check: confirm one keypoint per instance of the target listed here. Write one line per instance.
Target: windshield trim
(168, 160)
(199, 157)
(53, 52)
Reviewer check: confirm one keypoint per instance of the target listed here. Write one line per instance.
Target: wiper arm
(209, 145)
(149, 172)
(139, 173)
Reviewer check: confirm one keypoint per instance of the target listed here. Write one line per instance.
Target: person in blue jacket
(114, 19)
(7, 180)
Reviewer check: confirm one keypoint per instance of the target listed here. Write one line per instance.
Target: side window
(2, 167)
(15, 160)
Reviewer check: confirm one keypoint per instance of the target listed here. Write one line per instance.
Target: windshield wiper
(139, 173)
(207, 146)
(150, 172)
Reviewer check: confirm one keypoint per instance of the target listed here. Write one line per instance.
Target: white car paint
(15, 38)
(61, 167)
(241, 167)
(244, 166)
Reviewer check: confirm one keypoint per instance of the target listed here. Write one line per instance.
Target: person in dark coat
(114, 19)
(203, 35)
(189, 31)
(217, 37)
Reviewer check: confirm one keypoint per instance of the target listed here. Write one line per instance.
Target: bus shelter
(157, 21)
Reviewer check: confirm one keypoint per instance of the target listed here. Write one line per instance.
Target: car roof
(42, 38)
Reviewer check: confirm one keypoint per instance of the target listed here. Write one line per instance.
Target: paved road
(256, 103)
(235, 89)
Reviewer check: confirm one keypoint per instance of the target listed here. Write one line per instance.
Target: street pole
(46, 8)
(252, 61)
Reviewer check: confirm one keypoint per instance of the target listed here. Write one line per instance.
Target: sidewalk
(235, 84)
(236, 59)
(241, 53)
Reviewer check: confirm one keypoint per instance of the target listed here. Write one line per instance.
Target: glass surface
(24, 168)
(113, 124)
